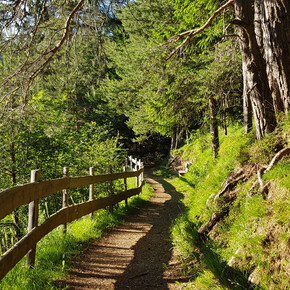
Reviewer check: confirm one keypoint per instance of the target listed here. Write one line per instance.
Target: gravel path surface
(137, 254)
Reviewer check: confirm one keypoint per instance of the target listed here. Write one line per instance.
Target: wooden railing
(31, 193)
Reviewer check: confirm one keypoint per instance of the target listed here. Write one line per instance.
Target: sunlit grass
(55, 251)
(256, 229)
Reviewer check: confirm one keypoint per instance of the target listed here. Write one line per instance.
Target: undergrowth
(56, 250)
(249, 247)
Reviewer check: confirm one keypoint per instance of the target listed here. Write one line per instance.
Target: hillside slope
(235, 233)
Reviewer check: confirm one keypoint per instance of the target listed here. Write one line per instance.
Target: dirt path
(137, 254)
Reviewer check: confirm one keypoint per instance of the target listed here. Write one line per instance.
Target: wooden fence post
(136, 163)
(110, 187)
(65, 195)
(142, 175)
(131, 162)
(125, 184)
(137, 177)
(33, 219)
(92, 189)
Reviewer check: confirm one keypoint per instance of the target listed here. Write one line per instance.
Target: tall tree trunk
(247, 108)
(275, 27)
(176, 139)
(13, 177)
(172, 141)
(224, 115)
(255, 73)
(179, 134)
(214, 127)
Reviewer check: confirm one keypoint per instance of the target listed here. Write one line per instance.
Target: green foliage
(45, 137)
(194, 14)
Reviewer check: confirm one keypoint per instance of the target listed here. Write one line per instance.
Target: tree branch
(55, 49)
(191, 33)
(33, 67)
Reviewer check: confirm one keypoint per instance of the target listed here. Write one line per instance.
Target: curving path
(137, 254)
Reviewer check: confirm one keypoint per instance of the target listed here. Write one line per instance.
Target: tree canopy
(139, 68)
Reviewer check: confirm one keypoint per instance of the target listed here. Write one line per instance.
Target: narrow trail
(137, 254)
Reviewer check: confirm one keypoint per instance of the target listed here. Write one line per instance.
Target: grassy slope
(56, 250)
(256, 230)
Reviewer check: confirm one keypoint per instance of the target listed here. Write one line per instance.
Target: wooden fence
(32, 192)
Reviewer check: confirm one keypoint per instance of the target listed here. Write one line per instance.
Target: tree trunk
(172, 141)
(224, 115)
(16, 220)
(179, 134)
(255, 70)
(276, 35)
(214, 127)
(176, 139)
(247, 108)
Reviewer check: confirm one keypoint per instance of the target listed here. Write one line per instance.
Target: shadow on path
(149, 268)
(137, 254)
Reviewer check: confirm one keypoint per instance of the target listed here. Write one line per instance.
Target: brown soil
(137, 254)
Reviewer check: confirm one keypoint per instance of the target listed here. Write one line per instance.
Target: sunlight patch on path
(135, 255)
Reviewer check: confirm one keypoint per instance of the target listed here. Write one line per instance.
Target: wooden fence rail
(31, 193)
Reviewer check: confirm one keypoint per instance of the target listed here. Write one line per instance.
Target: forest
(86, 83)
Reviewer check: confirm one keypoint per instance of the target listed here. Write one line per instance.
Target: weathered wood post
(33, 218)
(142, 174)
(125, 183)
(65, 196)
(131, 162)
(110, 187)
(136, 169)
(92, 189)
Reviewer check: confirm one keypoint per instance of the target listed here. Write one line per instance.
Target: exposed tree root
(264, 187)
(215, 218)
(232, 181)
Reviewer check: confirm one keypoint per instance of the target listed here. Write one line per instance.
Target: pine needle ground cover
(248, 248)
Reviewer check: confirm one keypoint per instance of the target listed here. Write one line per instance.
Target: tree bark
(214, 127)
(172, 141)
(179, 133)
(255, 70)
(247, 109)
(275, 27)
(264, 30)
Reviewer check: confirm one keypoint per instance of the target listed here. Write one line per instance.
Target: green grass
(280, 172)
(56, 250)
(255, 230)
(205, 176)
